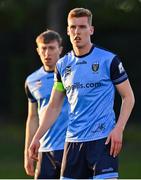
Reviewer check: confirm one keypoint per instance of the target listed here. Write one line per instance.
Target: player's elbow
(131, 99)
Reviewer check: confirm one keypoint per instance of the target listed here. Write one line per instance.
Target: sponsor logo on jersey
(95, 67)
(68, 71)
(121, 68)
(79, 85)
(38, 83)
(100, 128)
(81, 62)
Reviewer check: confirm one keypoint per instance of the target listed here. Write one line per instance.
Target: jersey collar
(86, 53)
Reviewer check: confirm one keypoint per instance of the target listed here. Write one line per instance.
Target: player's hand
(115, 137)
(33, 149)
(29, 166)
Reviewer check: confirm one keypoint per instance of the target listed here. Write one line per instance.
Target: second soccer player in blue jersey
(89, 75)
(38, 88)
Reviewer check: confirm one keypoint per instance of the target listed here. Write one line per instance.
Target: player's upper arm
(117, 71)
(32, 110)
(29, 94)
(57, 98)
(58, 91)
(32, 104)
(58, 85)
(120, 79)
(125, 90)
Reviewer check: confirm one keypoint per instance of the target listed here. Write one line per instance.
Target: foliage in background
(117, 28)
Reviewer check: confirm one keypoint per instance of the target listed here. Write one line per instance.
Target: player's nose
(77, 30)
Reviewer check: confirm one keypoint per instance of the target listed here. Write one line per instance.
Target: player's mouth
(77, 38)
(47, 60)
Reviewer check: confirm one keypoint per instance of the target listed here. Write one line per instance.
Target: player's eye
(43, 48)
(82, 26)
(72, 27)
(51, 47)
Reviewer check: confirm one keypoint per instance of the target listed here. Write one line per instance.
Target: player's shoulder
(34, 75)
(105, 52)
(65, 59)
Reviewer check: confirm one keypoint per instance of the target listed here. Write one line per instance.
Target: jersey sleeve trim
(29, 95)
(117, 71)
(58, 86)
(121, 79)
(57, 77)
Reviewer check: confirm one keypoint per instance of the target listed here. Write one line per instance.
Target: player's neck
(49, 68)
(80, 51)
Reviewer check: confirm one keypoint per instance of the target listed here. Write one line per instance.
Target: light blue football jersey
(89, 82)
(38, 88)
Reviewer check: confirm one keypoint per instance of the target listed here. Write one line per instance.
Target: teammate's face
(79, 31)
(49, 54)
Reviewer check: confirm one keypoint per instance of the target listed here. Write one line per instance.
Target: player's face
(79, 31)
(49, 54)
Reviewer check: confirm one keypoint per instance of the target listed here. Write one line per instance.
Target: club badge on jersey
(95, 67)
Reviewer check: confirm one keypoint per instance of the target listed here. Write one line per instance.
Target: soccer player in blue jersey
(38, 88)
(89, 76)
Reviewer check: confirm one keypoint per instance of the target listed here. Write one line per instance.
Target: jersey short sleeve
(117, 71)
(58, 85)
(29, 95)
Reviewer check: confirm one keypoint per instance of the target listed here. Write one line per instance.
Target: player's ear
(91, 30)
(68, 31)
(37, 49)
(60, 49)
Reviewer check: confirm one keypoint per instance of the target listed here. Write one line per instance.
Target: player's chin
(79, 45)
(48, 63)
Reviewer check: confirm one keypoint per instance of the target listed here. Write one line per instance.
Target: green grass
(12, 146)
(11, 151)
(130, 157)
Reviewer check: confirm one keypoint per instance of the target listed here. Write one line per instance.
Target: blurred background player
(38, 88)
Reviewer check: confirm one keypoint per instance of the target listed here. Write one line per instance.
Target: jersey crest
(95, 67)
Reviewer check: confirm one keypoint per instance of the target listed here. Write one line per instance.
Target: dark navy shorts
(84, 160)
(49, 165)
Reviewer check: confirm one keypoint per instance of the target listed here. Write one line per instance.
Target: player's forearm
(126, 109)
(31, 128)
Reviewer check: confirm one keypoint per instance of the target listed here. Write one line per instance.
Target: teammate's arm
(32, 124)
(128, 100)
(48, 117)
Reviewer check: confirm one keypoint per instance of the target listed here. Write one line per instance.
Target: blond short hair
(81, 12)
